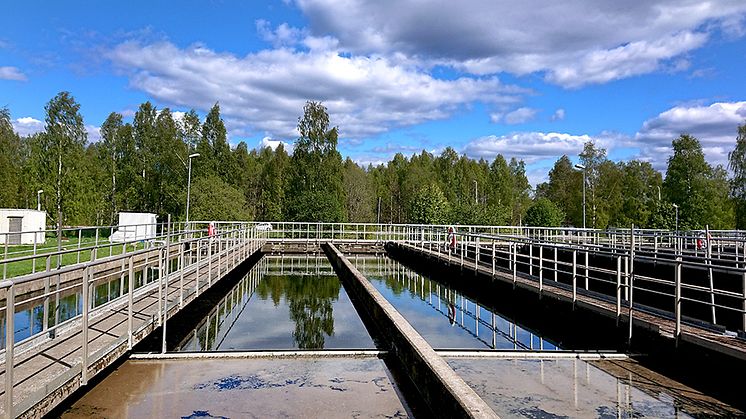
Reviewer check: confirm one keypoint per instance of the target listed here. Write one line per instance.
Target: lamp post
(38, 199)
(581, 167)
(189, 185)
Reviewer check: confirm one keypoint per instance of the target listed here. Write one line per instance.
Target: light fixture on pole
(189, 185)
(38, 199)
(581, 167)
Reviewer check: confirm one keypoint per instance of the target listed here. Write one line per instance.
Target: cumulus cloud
(518, 116)
(265, 91)
(11, 73)
(573, 42)
(529, 146)
(273, 144)
(27, 126)
(715, 126)
(558, 115)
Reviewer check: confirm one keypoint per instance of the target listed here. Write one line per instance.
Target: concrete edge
(445, 392)
(258, 355)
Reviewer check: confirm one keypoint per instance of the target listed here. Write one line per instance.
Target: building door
(14, 224)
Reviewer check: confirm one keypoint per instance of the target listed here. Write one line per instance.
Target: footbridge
(72, 309)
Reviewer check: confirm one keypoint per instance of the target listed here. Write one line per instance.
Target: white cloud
(283, 35)
(94, 133)
(273, 144)
(574, 42)
(518, 116)
(558, 115)
(27, 126)
(529, 146)
(715, 126)
(12, 73)
(265, 91)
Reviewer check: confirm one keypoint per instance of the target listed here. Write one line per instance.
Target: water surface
(443, 316)
(283, 303)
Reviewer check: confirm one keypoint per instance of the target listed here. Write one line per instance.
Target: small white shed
(135, 226)
(22, 226)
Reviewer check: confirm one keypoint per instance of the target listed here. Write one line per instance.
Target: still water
(444, 317)
(284, 302)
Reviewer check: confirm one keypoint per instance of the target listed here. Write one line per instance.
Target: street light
(38, 199)
(189, 185)
(581, 167)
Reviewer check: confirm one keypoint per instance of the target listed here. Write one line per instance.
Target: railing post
(574, 277)
(515, 264)
(476, 255)
(541, 269)
(586, 270)
(209, 262)
(618, 288)
(84, 330)
(555, 264)
(531, 258)
(47, 285)
(631, 280)
(130, 289)
(743, 302)
(9, 343)
(493, 258)
(677, 303)
(708, 261)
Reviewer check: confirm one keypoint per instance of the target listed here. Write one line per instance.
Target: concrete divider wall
(441, 388)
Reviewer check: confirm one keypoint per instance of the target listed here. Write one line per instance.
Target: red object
(211, 229)
(452, 237)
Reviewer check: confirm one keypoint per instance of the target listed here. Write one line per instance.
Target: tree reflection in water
(310, 300)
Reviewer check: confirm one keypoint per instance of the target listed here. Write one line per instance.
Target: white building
(22, 226)
(135, 226)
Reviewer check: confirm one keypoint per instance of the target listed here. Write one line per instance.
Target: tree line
(142, 166)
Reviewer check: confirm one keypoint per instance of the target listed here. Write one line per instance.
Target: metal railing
(162, 265)
(687, 284)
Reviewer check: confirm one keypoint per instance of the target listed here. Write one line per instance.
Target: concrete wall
(442, 389)
(33, 221)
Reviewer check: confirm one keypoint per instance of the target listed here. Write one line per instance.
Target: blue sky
(532, 80)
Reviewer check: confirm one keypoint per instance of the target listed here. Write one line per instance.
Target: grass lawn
(24, 267)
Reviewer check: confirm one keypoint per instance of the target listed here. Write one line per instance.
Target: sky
(533, 79)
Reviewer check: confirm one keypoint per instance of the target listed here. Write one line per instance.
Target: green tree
(565, 188)
(316, 183)
(544, 213)
(111, 155)
(429, 206)
(214, 199)
(274, 177)
(358, 192)
(10, 162)
(737, 164)
(58, 152)
(700, 191)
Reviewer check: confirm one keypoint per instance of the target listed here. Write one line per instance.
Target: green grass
(24, 267)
